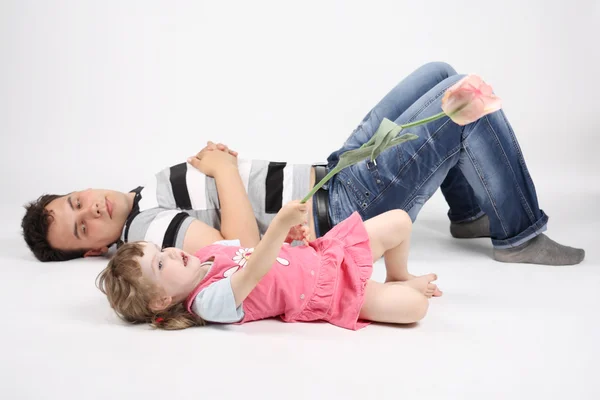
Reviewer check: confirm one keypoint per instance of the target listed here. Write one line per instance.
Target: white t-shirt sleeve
(230, 242)
(216, 303)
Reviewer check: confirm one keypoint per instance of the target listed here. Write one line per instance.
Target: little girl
(327, 279)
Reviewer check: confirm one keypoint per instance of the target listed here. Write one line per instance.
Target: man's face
(91, 220)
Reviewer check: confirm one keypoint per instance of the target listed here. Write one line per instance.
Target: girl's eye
(83, 228)
(78, 204)
(160, 265)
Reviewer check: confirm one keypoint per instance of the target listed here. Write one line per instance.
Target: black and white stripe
(156, 232)
(178, 179)
(278, 186)
(170, 236)
(176, 196)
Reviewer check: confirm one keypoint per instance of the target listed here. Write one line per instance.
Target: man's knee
(439, 67)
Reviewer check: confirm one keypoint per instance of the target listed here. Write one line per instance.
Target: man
(188, 205)
(479, 168)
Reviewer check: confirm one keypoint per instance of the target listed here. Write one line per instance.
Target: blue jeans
(479, 166)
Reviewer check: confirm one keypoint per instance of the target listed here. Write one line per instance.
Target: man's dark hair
(35, 226)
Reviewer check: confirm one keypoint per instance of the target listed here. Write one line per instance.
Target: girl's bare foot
(402, 278)
(424, 285)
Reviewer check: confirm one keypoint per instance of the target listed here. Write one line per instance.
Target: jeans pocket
(376, 178)
(359, 186)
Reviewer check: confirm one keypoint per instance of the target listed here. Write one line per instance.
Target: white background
(104, 94)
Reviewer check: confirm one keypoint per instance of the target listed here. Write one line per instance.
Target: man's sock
(540, 250)
(472, 229)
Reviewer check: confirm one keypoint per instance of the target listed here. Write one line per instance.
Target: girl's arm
(263, 257)
(237, 217)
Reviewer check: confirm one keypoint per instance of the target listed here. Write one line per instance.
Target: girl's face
(174, 270)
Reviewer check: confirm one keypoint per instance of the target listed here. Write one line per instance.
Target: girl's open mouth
(185, 259)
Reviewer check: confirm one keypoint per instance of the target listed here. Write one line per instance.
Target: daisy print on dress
(241, 258)
(283, 261)
(242, 255)
(230, 271)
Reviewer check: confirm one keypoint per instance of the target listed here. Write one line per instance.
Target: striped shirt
(165, 206)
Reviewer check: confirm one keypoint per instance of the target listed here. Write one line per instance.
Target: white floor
(501, 331)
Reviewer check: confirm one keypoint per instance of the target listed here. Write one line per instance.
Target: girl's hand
(292, 214)
(298, 232)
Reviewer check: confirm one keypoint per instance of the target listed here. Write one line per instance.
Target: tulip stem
(321, 183)
(424, 121)
(338, 169)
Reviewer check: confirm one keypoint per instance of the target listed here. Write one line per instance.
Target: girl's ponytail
(176, 317)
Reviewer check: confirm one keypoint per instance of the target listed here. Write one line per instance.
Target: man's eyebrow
(75, 232)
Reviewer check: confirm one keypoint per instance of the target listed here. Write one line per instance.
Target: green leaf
(385, 134)
(384, 127)
(353, 156)
(381, 141)
(381, 137)
(384, 144)
(401, 139)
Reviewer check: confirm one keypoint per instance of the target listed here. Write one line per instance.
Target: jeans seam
(466, 217)
(430, 101)
(414, 193)
(483, 182)
(514, 141)
(333, 211)
(430, 137)
(523, 200)
(407, 164)
(519, 152)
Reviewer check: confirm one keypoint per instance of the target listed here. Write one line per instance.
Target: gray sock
(541, 250)
(472, 229)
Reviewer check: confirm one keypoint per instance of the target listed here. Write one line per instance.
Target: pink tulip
(470, 99)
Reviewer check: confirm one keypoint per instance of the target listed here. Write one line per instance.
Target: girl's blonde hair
(129, 294)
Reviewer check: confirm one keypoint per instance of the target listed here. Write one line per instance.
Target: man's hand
(213, 159)
(210, 146)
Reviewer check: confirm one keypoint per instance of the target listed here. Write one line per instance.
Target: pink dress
(324, 281)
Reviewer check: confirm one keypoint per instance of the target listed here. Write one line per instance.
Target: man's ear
(160, 303)
(96, 252)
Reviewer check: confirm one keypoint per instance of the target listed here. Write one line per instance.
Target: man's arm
(199, 235)
(237, 217)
